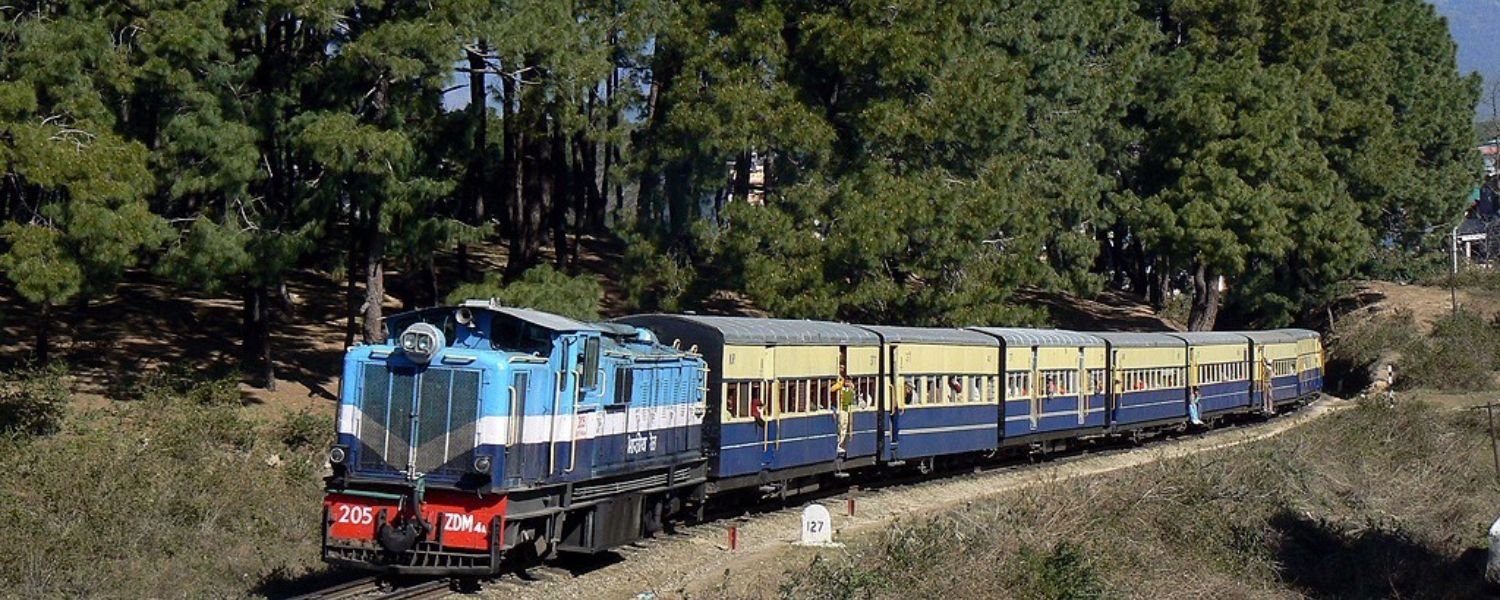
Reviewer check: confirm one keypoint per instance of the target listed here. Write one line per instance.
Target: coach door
(770, 431)
(1116, 385)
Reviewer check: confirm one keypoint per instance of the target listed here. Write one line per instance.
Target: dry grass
(175, 494)
(1370, 503)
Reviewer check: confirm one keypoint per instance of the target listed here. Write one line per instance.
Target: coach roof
(1211, 337)
(1276, 336)
(1142, 340)
(1019, 336)
(769, 332)
(931, 335)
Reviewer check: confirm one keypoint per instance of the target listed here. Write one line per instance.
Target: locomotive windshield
(519, 335)
(441, 318)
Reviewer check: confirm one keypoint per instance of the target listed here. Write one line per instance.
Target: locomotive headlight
(337, 455)
(482, 464)
(421, 342)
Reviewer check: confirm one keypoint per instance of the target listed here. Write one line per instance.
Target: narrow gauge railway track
(369, 588)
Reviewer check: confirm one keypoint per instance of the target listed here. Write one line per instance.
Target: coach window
(732, 400)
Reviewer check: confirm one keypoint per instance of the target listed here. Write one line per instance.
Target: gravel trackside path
(697, 558)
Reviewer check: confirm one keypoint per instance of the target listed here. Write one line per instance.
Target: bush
(303, 429)
(541, 288)
(32, 400)
(1395, 264)
(1064, 573)
(1462, 353)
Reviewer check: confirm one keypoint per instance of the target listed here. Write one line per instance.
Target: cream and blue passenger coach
(776, 414)
(943, 386)
(1054, 384)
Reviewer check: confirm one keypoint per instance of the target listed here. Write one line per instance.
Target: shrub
(1064, 573)
(303, 429)
(32, 400)
(541, 288)
(1462, 353)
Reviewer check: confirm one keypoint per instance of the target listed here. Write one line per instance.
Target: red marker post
(734, 538)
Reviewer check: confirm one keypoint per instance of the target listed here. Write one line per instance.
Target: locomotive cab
(466, 434)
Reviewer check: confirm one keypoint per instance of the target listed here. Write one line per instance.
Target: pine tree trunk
(374, 275)
(1205, 309)
(742, 177)
(44, 333)
(560, 197)
(535, 190)
(474, 211)
(1136, 270)
(351, 275)
(1160, 284)
(681, 202)
(257, 335)
(510, 161)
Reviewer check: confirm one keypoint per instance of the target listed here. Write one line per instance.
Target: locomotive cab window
(590, 364)
(510, 333)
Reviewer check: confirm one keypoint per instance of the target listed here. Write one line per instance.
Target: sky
(1476, 27)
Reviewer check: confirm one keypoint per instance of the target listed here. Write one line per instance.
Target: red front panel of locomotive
(464, 519)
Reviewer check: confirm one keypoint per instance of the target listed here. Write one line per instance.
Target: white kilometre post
(1492, 568)
(817, 526)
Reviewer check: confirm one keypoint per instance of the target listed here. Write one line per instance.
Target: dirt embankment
(698, 562)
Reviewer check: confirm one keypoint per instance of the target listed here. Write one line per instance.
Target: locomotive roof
(1142, 340)
(771, 332)
(931, 335)
(1210, 337)
(1025, 336)
(535, 317)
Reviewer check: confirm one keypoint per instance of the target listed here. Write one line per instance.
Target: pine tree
(73, 209)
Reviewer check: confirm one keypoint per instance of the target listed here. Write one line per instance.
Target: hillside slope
(148, 326)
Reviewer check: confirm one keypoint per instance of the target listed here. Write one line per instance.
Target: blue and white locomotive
(482, 430)
(482, 433)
